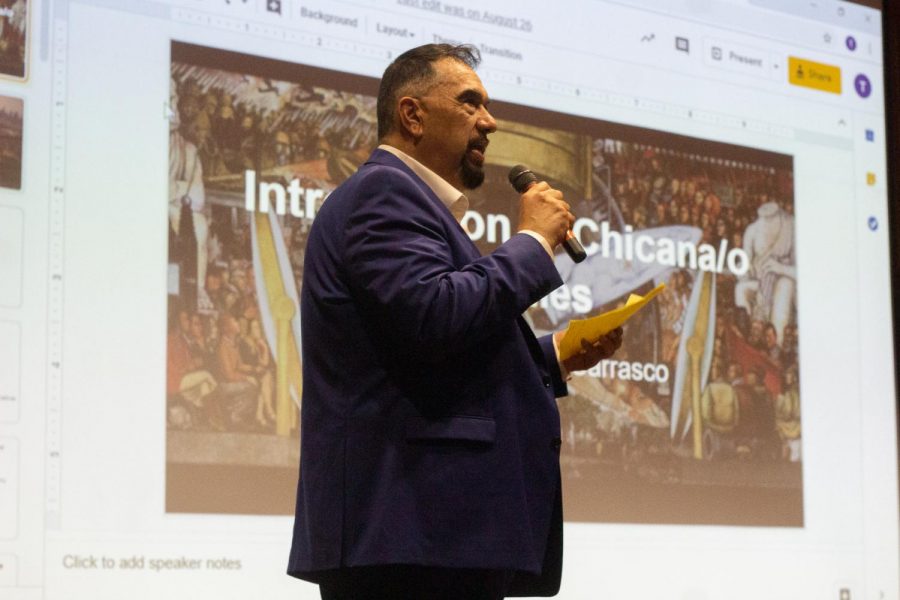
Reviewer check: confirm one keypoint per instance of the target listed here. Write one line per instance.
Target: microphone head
(521, 177)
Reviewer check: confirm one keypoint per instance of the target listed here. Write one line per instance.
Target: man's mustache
(479, 144)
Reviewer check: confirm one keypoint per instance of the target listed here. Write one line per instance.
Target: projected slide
(700, 408)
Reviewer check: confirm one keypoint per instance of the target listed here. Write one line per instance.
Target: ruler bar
(55, 273)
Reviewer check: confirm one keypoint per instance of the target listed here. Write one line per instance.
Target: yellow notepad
(596, 327)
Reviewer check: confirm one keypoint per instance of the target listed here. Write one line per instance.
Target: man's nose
(486, 122)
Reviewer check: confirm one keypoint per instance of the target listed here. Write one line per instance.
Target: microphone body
(522, 178)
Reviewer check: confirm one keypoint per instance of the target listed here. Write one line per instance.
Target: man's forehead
(453, 73)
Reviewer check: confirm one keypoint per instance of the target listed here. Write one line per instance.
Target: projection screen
(161, 163)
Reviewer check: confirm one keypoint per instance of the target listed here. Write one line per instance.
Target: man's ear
(410, 116)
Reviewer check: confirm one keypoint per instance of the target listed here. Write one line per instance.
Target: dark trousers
(413, 582)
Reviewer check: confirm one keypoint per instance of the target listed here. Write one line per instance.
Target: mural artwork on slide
(696, 420)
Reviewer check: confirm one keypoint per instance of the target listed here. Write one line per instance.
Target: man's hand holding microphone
(543, 210)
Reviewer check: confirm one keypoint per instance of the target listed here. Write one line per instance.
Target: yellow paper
(596, 327)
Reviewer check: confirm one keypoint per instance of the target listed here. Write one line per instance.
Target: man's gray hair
(414, 68)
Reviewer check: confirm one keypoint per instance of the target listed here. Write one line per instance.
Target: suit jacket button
(557, 443)
(546, 381)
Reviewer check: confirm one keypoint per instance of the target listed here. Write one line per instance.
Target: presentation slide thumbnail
(14, 37)
(11, 142)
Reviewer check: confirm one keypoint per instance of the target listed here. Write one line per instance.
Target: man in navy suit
(430, 434)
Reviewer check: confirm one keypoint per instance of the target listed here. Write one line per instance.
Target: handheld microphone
(522, 178)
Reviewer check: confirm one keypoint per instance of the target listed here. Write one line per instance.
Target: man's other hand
(591, 352)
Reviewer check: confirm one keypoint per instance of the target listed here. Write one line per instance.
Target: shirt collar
(455, 201)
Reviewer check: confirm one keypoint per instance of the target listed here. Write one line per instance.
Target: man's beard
(471, 175)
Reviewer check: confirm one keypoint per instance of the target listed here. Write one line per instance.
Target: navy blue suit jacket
(429, 427)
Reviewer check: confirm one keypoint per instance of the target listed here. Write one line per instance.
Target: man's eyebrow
(473, 94)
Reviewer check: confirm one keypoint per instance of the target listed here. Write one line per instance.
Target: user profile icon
(863, 85)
